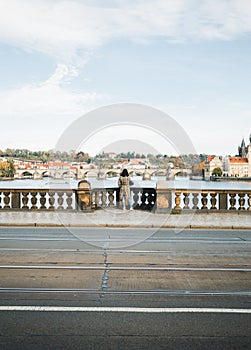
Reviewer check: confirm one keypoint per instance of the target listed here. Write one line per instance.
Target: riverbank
(230, 178)
(114, 217)
(6, 178)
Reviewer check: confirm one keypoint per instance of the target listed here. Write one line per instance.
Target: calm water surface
(183, 183)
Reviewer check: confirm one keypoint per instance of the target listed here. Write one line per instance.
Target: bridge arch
(26, 174)
(159, 173)
(46, 173)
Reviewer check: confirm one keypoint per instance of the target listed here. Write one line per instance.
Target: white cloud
(49, 98)
(69, 30)
(66, 30)
(56, 28)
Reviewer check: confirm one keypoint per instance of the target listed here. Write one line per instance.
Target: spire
(242, 149)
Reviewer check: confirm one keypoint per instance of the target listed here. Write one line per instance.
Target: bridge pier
(146, 175)
(37, 176)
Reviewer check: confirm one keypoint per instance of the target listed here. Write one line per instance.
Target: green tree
(7, 169)
(217, 172)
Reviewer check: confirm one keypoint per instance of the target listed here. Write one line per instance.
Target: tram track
(126, 292)
(129, 268)
(209, 265)
(125, 279)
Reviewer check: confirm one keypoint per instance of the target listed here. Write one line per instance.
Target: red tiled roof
(238, 160)
(210, 158)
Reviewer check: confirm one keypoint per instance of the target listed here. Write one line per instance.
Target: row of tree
(45, 156)
(191, 161)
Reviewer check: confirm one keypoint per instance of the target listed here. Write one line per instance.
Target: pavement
(114, 217)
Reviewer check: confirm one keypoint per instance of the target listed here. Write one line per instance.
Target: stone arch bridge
(37, 174)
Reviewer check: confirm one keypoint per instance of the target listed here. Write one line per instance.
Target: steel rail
(128, 292)
(130, 268)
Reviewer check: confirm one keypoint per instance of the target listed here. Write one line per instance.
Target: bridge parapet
(160, 200)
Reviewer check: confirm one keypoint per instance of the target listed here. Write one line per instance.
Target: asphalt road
(177, 290)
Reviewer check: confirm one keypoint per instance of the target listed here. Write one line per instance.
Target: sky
(61, 59)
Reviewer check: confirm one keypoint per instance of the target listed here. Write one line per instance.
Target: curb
(187, 227)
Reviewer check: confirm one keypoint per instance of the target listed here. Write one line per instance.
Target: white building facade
(238, 166)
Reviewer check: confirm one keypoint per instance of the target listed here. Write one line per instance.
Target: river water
(182, 183)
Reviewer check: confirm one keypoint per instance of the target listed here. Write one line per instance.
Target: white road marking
(123, 309)
(119, 239)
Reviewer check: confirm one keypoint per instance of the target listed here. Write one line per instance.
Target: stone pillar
(15, 200)
(223, 201)
(83, 196)
(37, 175)
(163, 198)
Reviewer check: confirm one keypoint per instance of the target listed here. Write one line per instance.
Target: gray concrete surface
(99, 330)
(157, 272)
(113, 217)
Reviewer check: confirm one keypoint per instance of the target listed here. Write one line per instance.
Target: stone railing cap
(162, 184)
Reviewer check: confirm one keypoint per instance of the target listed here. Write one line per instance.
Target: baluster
(136, 198)
(140, 198)
(34, 200)
(186, 201)
(249, 202)
(195, 201)
(241, 201)
(98, 198)
(111, 198)
(1, 206)
(25, 200)
(93, 199)
(213, 201)
(69, 200)
(146, 199)
(232, 201)
(204, 201)
(104, 198)
(153, 198)
(6, 200)
(132, 198)
(52, 200)
(60, 200)
(177, 201)
(42, 200)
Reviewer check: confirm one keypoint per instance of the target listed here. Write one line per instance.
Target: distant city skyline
(62, 59)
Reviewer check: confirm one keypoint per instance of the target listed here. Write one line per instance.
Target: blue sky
(188, 58)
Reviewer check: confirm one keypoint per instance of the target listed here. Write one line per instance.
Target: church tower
(242, 150)
(249, 156)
